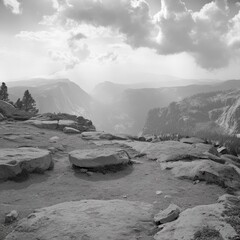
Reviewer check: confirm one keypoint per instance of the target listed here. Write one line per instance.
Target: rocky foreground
(94, 185)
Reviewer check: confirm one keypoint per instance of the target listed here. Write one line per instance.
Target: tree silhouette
(28, 103)
(4, 92)
(18, 104)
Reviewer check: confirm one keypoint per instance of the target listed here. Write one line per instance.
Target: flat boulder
(98, 135)
(53, 125)
(206, 222)
(175, 151)
(87, 219)
(206, 170)
(66, 123)
(98, 158)
(192, 140)
(70, 130)
(15, 161)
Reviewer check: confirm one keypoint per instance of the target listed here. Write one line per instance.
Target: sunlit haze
(91, 41)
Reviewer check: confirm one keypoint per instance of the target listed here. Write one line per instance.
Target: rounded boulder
(13, 161)
(97, 158)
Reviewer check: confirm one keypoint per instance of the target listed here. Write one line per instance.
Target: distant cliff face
(218, 111)
(55, 96)
(126, 106)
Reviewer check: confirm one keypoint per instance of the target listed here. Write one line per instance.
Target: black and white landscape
(119, 119)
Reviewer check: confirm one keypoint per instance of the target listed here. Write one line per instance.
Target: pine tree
(4, 92)
(18, 104)
(28, 103)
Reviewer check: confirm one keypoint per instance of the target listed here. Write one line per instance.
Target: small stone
(124, 196)
(167, 196)
(83, 170)
(11, 217)
(28, 136)
(52, 149)
(168, 215)
(152, 159)
(196, 182)
(54, 139)
(139, 155)
(89, 173)
(60, 148)
(158, 192)
(134, 161)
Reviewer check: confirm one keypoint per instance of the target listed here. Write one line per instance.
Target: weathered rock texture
(102, 136)
(192, 140)
(61, 121)
(219, 218)
(193, 161)
(98, 158)
(14, 161)
(87, 219)
(167, 215)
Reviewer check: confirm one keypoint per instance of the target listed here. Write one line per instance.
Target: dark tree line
(27, 103)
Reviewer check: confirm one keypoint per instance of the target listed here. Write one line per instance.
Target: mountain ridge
(214, 111)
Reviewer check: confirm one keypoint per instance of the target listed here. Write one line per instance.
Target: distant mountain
(214, 111)
(54, 95)
(126, 106)
(112, 107)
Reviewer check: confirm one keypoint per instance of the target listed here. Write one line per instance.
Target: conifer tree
(4, 92)
(28, 103)
(18, 104)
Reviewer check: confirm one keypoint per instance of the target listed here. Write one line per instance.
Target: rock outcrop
(98, 158)
(8, 111)
(61, 121)
(193, 161)
(206, 170)
(87, 219)
(15, 161)
(208, 222)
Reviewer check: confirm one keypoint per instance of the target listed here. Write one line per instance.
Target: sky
(90, 41)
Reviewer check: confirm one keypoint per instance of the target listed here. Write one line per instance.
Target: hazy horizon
(157, 81)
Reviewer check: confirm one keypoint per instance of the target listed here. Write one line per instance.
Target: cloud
(65, 47)
(73, 40)
(211, 35)
(66, 58)
(206, 34)
(203, 34)
(234, 33)
(13, 5)
(131, 18)
(108, 57)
